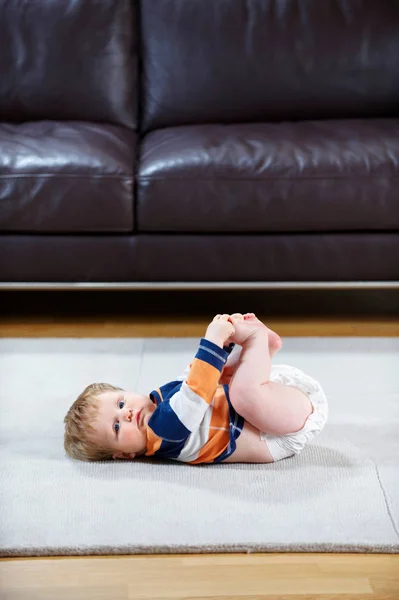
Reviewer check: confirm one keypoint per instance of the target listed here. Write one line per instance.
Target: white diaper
(283, 446)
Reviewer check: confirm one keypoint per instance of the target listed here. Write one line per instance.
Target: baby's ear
(124, 455)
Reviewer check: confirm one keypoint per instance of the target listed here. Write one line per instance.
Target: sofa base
(170, 261)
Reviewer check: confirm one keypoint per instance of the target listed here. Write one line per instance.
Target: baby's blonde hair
(83, 412)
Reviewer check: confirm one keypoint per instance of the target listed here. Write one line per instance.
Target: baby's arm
(219, 332)
(193, 398)
(228, 370)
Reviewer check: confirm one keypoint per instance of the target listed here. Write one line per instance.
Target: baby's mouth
(138, 418)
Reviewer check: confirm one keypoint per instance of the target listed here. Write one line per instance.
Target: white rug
(340, 495)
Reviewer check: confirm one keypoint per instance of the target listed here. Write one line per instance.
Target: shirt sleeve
(228, 349)
(186, 407)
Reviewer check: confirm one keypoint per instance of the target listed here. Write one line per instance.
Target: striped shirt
(194, 421)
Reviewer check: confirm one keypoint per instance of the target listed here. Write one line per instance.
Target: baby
(229, 405)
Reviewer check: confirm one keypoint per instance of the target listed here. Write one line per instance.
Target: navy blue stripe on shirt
(212, 354)
(166, 424)
(166, 390)
(236, 427)
(169, 450)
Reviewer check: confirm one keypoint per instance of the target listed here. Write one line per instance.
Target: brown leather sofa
(199, 141)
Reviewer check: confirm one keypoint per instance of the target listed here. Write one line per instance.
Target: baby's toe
(237, 317)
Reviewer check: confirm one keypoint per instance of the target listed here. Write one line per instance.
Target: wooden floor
(143, 326)
(198, 577)
(203, 577)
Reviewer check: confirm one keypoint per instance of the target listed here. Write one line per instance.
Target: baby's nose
(129, 414)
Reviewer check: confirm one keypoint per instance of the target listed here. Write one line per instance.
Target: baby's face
(122, 422)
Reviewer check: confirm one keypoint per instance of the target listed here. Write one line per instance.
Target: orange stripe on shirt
(203, 379)
(153, 442)
(219, 430)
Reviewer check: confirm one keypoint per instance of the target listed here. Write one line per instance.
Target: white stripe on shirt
(189, 407)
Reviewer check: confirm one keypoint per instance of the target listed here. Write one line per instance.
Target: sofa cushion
(285, 177)
(66, 177)
(68, 60)
(230, 61)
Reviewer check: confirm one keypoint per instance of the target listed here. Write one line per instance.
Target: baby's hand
(220, 330)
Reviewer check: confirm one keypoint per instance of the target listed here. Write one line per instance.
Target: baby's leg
(270, 407)
(233, 360)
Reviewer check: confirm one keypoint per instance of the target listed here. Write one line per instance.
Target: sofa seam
(64, 175)
(349, 176)
(188, 179)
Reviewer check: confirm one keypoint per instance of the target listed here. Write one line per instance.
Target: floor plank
(200, 577)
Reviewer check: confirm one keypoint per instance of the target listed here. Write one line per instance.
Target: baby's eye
(121, 402)
(116, 427)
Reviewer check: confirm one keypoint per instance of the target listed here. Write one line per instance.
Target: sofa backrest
(63, 60)
(224, 61)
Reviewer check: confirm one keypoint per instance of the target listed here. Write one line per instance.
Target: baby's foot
(246, 328)
(275, 342)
